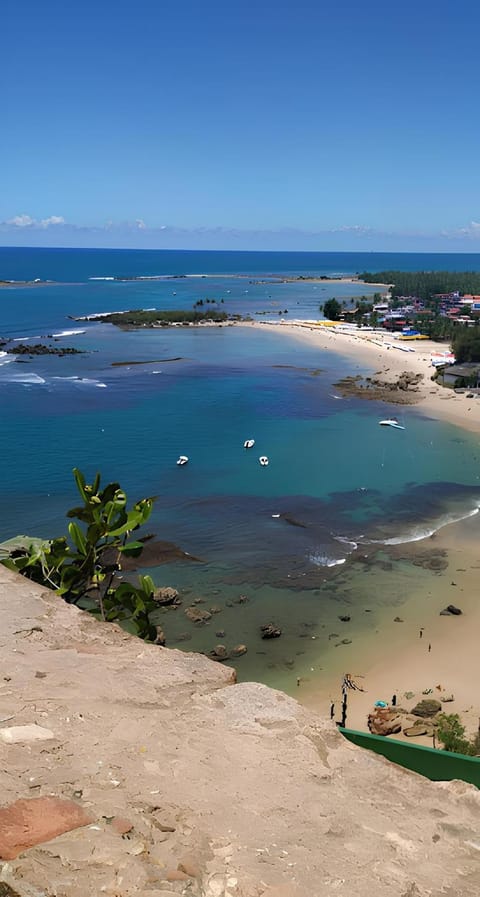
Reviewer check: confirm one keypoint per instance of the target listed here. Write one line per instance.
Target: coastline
(391, 658)
(433, 400)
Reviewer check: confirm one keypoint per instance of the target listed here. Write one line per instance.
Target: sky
(242, 124)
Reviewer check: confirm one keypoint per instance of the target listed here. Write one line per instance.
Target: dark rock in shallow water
(398, 620)
(166, 596)
(196, 615)
(345, 618)
(154, 552)
(219, 653)
(270, 631)
(220, 633)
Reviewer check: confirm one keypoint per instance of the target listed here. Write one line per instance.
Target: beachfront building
(461, 375)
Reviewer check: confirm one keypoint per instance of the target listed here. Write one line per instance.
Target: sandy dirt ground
(158, 775)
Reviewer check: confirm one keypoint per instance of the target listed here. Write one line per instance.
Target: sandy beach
(392, 658)
(371, 351)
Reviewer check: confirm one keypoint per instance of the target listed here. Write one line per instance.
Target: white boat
(391, 422)
(182, 460)
(249, 443)
(263, 460)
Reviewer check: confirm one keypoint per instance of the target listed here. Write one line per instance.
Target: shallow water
(342, 485)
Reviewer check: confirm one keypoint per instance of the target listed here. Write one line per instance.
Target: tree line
(425, 284)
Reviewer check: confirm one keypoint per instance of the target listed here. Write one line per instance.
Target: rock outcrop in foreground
(175, 781)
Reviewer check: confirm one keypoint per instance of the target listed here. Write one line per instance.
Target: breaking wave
(323, 560)
(424, 531)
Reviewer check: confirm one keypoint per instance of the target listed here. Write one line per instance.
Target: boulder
(215, 609)
(270, 631)
(451, 609)
(219, 652)
(445, 699)
(427, 708)
(196, 615)
(345, 618)
(415, 731)
(166, 596)
(383, 721)
(238, 650)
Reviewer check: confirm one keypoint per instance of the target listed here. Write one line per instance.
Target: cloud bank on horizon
(54, 230)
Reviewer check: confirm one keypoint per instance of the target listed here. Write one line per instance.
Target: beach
(375, 351)
(426, 654)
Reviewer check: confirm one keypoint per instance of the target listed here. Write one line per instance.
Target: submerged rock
(270, 631)
(219, 652)
(196, 615)
(238, 650)
(166, 596)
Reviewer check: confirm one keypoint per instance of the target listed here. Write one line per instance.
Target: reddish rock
(121, 825)
(33, 821)
(384, 722)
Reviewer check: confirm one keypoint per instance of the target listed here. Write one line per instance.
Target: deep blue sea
(337, 479)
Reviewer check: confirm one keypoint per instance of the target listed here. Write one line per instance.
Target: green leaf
(77, 537)
(131, 549)
(80, 482)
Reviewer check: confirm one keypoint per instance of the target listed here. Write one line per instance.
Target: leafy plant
(84, 568)
(451, 733)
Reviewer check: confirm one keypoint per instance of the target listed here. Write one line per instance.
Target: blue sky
(300, 125)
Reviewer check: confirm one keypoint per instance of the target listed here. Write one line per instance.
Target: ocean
(294, 543)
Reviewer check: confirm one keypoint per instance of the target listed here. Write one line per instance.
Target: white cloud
(53, 220)
(21, 221)
(28, 221)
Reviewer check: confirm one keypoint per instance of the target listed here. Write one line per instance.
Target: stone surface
(166, 596)
(426, 708)
(25, 734)
(196, 615)
(451, 610)
(28, 822)
(266, 797)
(239, 650)
(270, 631)
(383, 721)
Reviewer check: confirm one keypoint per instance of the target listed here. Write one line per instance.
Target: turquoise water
(340, 482)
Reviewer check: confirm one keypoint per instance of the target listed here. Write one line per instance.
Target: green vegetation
(332, 309)
(425, 284)
(84, 567)
(451, 733)
(466, 344)
(141, 318)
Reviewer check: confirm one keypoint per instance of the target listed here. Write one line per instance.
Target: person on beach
(332, 710)
(394, 700)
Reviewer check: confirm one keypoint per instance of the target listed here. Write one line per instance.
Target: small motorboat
(391, 422)
(249, 443)
(263, 460)
(182, 460)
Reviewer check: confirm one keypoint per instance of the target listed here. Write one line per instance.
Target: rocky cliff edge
(175, 781)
